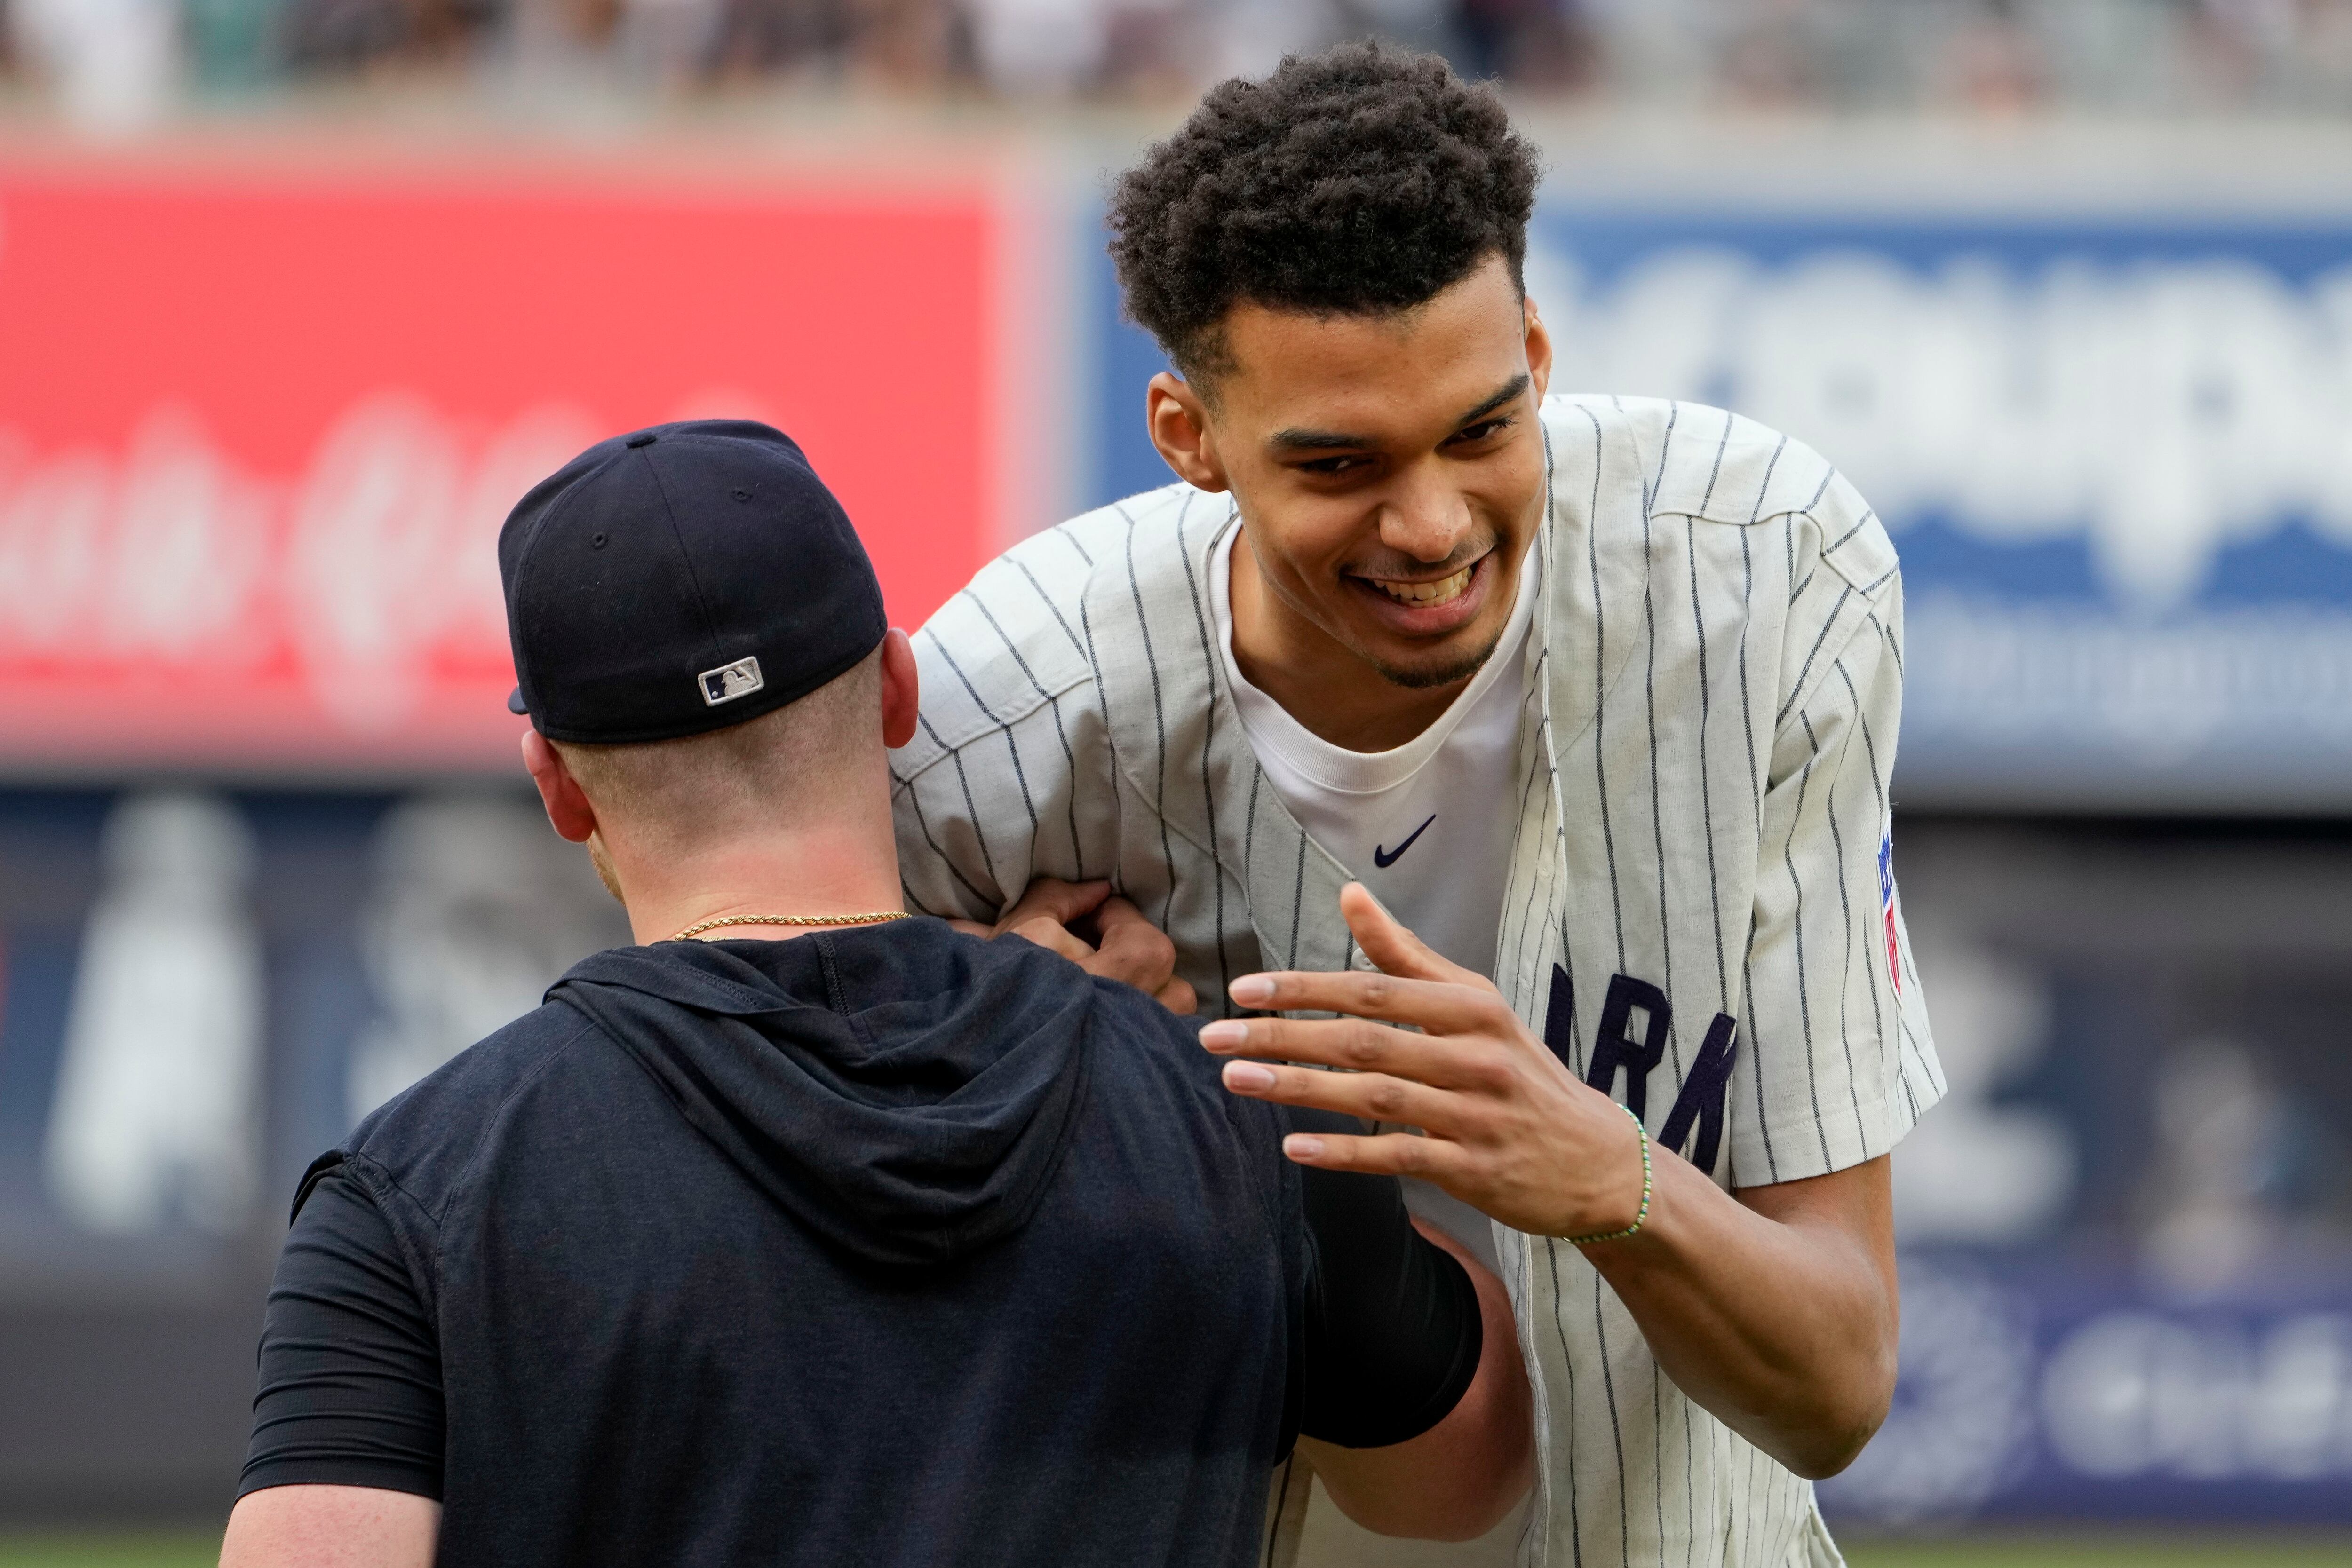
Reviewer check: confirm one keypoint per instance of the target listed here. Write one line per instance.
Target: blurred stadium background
(298, 296)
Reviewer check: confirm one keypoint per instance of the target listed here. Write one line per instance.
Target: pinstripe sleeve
(1838, 1064)
(989, 794)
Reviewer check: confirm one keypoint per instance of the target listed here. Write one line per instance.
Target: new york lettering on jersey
(1693, 1127)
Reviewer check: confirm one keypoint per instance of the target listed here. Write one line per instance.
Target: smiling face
(1389, 474)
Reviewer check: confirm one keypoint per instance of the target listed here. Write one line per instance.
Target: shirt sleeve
(1006, 777)
(350, 1386)
(1392, 1332)
(1836, 1063)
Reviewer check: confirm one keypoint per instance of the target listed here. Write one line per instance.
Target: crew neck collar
(1271, 726)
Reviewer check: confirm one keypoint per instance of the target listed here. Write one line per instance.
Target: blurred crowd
(1994, 56)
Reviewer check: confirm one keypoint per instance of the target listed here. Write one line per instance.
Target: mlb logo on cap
(727, 682)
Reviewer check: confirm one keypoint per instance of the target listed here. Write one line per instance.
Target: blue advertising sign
(2055, 1394)
(2113, 456)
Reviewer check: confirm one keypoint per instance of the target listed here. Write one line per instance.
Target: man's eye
(1482, 430)
(1329, 465)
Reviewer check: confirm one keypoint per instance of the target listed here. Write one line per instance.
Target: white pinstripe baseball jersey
(1700, 915)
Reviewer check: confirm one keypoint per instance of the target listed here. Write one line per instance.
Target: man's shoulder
(1156, 1062)
(1668, 458)
(1021, 634)
(426, 1136)
(1051, 570)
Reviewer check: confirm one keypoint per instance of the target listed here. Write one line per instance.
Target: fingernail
(1225, 1034)
(1248, 1075)
(1301, 1147)
(1252, 991)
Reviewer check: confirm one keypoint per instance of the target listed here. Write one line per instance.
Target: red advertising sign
(257, 430)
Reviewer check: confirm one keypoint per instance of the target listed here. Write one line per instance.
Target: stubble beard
(1424, 677)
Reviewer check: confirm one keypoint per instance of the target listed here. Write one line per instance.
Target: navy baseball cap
(680, 580)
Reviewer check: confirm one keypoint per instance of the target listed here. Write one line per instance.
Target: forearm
(1776, 1318)
(331, 1527)
(1458, 1479)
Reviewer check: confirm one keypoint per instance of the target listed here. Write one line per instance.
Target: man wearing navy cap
(807, 1232)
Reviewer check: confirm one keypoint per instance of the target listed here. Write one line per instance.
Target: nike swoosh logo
(1387, 858)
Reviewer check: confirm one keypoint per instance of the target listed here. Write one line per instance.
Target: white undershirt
(1439, 809)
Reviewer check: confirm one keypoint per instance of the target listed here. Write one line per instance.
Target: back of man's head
(698, 635)
(1361, 181)
(808, 760)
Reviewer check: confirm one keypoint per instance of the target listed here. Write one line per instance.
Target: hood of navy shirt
(902, 1090)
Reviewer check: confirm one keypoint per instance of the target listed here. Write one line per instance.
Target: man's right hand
(1059, 915)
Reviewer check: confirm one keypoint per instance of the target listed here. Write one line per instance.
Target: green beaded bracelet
(1645, 1213)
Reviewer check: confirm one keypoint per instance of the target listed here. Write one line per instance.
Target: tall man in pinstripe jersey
(1598, 695)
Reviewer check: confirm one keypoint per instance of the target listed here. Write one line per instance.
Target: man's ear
(1179, 423)
(902, 690)
(567, 805)
(1539, 350)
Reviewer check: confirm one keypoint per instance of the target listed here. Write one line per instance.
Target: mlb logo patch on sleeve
(1886, 906)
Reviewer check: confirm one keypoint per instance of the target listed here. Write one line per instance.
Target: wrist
(1641, 1210)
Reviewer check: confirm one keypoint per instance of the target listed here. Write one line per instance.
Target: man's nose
(1423, 517)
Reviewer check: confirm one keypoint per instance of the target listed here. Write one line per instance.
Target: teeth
(1424, 593)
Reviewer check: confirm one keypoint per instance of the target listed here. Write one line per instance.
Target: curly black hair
(1363, 180)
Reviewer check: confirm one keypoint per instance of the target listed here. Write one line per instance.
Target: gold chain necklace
(876, 919)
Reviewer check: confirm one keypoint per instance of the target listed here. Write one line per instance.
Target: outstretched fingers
(1375, 1097)
(1385, 1154)
(1439, 1007)
(1360, 1046)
